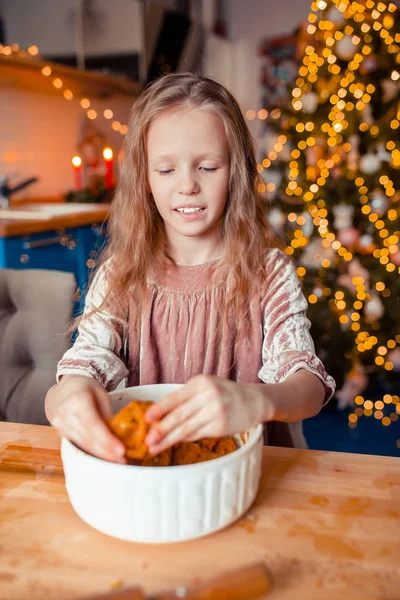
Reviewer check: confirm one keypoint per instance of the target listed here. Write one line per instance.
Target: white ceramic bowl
(162, 504)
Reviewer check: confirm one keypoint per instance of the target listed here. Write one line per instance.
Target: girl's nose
(188, 185)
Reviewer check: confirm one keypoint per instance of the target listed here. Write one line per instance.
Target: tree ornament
(383, 154)
(394, 357)
(353, 155)
(336, 173)
(367, 115)
(311, 156)
(318, 291)
(310, 102)
(343, 216)
(355, 383)
(348, 236)
(345, 281)
(370, 163)
(344, 48)
(272, 176)
(335, 16)
(286, 153)
(369, 65)
(366, 244)
(276, 218)
(395, 258)
(270, 139)
(379, 202)
(390, 89)
(315, 252)
(314, 153)
(373, 309)
(308, 226)
(355, 269)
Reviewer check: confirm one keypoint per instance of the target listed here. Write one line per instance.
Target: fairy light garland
(337, 125)
(382, 254)
(368, 408)
(85, 103)
(278, 147)
(348, 95)
(362, 97)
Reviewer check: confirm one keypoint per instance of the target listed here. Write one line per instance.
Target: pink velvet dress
(178, 335)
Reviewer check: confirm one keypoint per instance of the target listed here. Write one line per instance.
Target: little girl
(190, 289)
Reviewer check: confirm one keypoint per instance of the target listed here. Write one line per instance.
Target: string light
(57, 82)
(350, 94)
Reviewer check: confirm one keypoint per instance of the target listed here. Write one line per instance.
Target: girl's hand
(77, 408)
(205, 407)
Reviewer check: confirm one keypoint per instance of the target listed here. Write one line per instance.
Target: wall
(248, 23)
(39, 136)
(50, 25)
(39, 133)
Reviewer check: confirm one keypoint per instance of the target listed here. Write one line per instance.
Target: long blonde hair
(137, 240)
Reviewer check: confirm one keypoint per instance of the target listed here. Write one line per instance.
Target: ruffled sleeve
(99, 348)
(287, 343)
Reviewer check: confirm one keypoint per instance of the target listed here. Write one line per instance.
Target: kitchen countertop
(326, 524)
(11, 227)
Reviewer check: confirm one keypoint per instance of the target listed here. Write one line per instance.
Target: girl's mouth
(190, 213)
(189, 209)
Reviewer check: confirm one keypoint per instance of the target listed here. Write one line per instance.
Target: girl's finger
(205, 431)
(106, 453)
(104, 404)
(175, 417)
(102, 442)
(95, 447)
(166, 404)
(210, 425)
(102, 447)
(79, 434)
(180, 433)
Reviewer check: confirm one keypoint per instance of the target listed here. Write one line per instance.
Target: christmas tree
(330, 162)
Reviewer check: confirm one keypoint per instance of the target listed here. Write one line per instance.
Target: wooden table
(326, 524)
(97, 213)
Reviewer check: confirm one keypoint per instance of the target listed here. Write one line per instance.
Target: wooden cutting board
(327, 525)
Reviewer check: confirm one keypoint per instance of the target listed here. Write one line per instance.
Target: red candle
(77, 167)
(108, 163)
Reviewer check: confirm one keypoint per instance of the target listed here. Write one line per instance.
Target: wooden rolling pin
(243, 584)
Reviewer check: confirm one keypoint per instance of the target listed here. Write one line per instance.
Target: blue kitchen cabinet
(74, 250)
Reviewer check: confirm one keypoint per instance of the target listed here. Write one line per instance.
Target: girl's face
(188, 171)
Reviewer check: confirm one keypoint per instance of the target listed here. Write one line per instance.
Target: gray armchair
(35, 310)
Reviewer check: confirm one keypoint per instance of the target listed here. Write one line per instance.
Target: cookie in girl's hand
(130, 427)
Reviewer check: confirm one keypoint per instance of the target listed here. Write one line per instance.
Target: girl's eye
(205, 169)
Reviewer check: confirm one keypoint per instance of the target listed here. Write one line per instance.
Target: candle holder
(96, 193)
